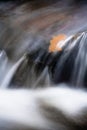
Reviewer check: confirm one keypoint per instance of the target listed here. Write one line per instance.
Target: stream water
(25, 34)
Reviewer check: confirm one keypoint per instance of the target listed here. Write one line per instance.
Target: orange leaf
(54, 43)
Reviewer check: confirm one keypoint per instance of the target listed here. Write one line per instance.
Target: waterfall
(71, 66)
(80, 67)
(11, 72)
(3, 64)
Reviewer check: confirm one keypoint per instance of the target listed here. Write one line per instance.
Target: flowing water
(10, 73)
(25, 33)
(38, 87)
(3, 64)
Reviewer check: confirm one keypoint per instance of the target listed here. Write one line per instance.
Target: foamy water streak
(3, 64)
(80, 62)
(72, 42)
(43, 78)
(65, 42)
(11, 73)
(65, 55)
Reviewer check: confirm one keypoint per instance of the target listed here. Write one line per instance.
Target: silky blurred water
(26, 29)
